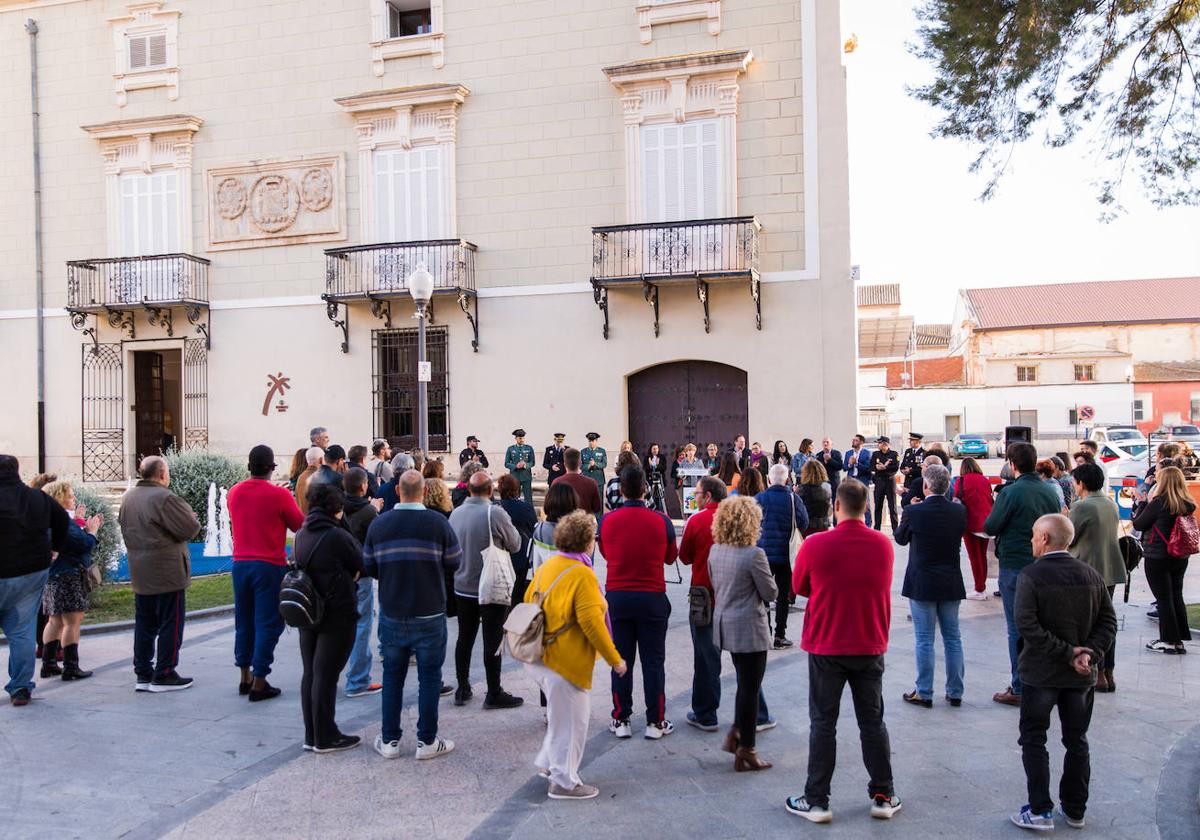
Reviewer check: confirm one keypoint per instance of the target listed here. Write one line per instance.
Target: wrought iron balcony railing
(365, 271)
(132, 282)
(706, 248)
(378, 274)
(667, 253)
(118, 287)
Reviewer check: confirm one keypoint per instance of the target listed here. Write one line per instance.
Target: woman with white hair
(784, 514)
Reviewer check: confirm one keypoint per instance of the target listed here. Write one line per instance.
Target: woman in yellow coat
(575, 636)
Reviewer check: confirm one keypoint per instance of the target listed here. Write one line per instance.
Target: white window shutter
(690, 181)
(138, 52)
(652, 172)
(710, 170)
(408, 192)
(157, 50)
(672, 165)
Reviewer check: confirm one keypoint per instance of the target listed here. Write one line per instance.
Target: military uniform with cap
(472, 453)
(552, 459)
(593, 460)
(884, 466)
(910, 467)
(518, 460)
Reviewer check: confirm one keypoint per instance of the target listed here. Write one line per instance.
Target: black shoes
(71, 669)
(269, 691)
(446, 690)
(502, 700)
(462, 695)
(20, 697)
(50, 667)
(781, 643)
(169, 682)
(342, 742)
(916, 699)
(954, 701)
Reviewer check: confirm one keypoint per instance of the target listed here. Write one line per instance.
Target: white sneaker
(977, 596)
(620, 728)
(387, 749)
(1071, 821)
(436, 749)
(883, 807)
(141, 686)
(654, 731)
(800, 807)
(769, 723)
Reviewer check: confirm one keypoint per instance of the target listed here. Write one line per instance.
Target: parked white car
(1130, 460)
(1116, 434)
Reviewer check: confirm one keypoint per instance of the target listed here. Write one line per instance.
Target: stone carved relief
(276, 203)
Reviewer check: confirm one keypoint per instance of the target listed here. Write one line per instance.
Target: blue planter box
(201, 565)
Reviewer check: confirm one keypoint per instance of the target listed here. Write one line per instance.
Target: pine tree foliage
(1123, 73)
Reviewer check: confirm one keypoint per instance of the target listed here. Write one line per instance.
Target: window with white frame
(1027, 373)
(406, 28)
(682, 169)
(407, 141)
(408, 194)
(1143, 407)
(680, 134)
(146, 41)
(1085, 373)
(149, 213)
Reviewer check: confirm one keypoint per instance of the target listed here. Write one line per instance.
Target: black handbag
(700, 606)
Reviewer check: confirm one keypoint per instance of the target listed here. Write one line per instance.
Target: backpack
(1185, 537)
(1131, 553)
(525, 628)
(300, 604)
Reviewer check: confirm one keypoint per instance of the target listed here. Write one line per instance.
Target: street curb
(116, 626)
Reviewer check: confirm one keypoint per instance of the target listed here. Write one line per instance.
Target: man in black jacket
(33, 528)
(884, 464)
(1066, 621)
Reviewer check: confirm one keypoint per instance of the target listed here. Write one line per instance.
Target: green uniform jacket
(1097, 524)
(587, 455)
(1017, 507)
(513, 455)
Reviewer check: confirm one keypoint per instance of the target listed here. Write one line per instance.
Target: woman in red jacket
(975, 492)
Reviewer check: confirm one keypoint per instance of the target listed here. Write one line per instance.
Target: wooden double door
(690, 401)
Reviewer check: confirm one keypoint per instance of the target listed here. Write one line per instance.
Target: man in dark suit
(552, 458)
(472, 453)
(933, 583)
(831, 460)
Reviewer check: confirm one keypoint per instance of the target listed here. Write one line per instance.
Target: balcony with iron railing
(118, 287)
(648, 256)
(378, 275)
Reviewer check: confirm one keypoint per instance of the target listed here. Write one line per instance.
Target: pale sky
(915, 216)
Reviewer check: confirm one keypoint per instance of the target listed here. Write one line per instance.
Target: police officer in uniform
(472, 453)
(910, 468)
(884, 464)
(518, 460)
(594, 459)
(552, 459)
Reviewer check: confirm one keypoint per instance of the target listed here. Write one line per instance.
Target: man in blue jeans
(359, 513)
(409, 550)
(1017, 507)
(32, 527)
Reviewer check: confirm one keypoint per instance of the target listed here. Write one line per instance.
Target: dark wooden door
(693, 401)
(148, 419)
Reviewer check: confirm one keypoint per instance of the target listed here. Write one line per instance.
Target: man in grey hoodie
(478, 523)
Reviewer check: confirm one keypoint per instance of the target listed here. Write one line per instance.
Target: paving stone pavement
(92, 759)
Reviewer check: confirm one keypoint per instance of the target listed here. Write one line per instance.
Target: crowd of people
(372, 526)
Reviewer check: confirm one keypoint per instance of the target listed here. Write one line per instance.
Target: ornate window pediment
(420, 117)
(147, 147)
(696, 88)
(658, 12)
(145, 41)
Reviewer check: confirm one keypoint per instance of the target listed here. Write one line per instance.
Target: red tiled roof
(933, 335)
(1083, 304)
(925, 372)
(880, 294)
(1167, 372)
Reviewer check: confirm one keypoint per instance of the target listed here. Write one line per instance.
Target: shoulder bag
(525, 628)
(795, 539)
(498, 577)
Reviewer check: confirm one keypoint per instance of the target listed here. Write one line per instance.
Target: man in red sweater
(706, 656)
(584, 487)
(260, 513)
(846, 574)
(637, 543)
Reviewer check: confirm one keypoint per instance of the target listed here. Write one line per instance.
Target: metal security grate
(103, 444)
(394, 387)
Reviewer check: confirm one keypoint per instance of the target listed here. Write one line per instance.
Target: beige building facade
(635, 215)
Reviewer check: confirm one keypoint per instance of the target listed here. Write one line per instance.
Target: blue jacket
(778, 505)
(76, 553)
(410, 553)
(935, 528)
(858, 467)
